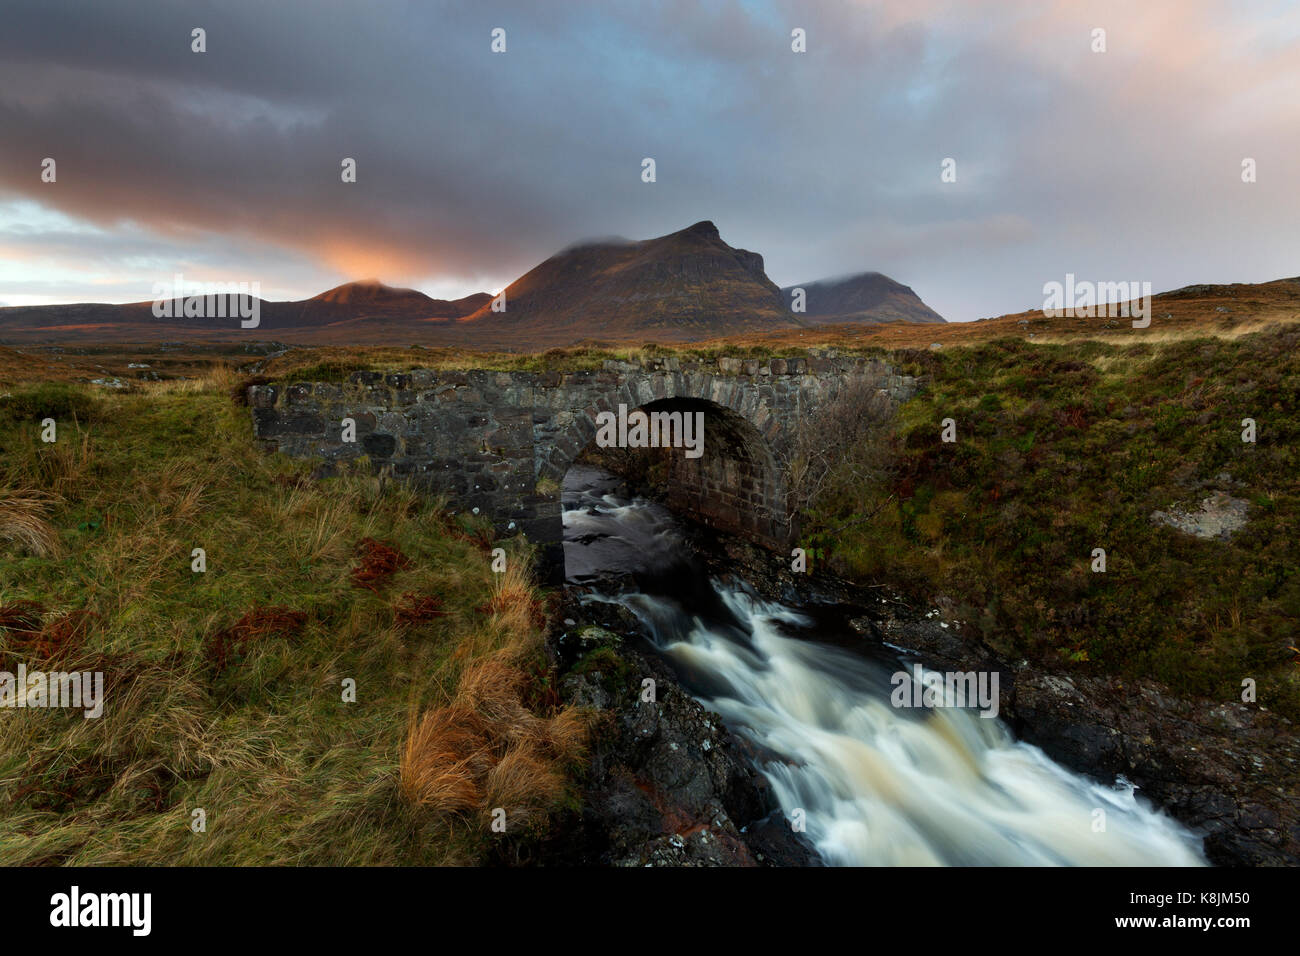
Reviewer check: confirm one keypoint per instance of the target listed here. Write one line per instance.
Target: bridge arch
(736, 484)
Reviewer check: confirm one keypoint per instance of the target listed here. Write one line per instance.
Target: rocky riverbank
(668, 784)
(1228, 770)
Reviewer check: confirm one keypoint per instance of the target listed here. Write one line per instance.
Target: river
(873, 784)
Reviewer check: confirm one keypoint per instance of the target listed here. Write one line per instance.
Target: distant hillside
(1225, 310)
(865, 297)
(689, 284)
(356, 312)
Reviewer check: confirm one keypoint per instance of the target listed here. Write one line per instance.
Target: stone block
(262, 396)
(270, 423)
(379, 445)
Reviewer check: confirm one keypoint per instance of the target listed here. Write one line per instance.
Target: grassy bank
(225, 689)
(1065, 448)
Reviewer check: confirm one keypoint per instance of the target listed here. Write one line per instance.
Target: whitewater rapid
(872, 784)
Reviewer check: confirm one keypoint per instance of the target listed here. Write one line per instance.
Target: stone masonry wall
(499, 443)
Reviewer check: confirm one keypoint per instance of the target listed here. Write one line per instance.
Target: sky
(473, 166)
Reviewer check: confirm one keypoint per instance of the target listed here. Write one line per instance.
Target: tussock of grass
(488, 750)
(58, 400)
(224, 689)
(489, 747)
(24, 520)
(445, 758)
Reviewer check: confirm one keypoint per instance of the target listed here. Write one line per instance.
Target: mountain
(369, 293)
(685, 285)
(865, 297)
(370, 297)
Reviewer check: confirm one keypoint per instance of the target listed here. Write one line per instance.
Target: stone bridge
(500, 443)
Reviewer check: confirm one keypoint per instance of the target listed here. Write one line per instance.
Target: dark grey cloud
(475, 166)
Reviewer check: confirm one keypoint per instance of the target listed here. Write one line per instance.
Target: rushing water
(878, 785)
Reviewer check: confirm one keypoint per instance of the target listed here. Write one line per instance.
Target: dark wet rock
(1228, 770)
(667, 784)
(585, 690)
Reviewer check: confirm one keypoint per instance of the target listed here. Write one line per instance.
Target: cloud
(474, 166)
